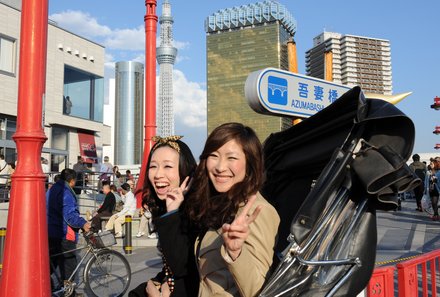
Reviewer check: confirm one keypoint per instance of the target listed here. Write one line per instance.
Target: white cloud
(189, 101)
(109, 61)
(139, 58)
(80, 23)
(127, 39)
(181, 58)
(131, 39)
(181, 45)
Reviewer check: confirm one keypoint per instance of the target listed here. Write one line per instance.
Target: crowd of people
(212, 210)
(427, 193)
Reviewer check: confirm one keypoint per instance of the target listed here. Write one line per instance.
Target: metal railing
(415, 277)
(90, 183)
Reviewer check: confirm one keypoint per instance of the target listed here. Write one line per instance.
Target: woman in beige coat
(237, 227)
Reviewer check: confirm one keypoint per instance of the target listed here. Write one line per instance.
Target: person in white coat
(118, 219)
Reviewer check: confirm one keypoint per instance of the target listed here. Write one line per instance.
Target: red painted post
(382, 282)
(408, 277)
(150, 89)
(433, 278)
(26, 259)
(407, 280)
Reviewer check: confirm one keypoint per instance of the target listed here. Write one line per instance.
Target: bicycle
(106, 272)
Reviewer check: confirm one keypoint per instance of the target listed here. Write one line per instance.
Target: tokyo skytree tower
(166, 56)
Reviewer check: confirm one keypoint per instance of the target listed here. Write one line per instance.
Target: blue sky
(412, 28)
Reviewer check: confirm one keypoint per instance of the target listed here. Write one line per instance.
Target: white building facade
(74, 99)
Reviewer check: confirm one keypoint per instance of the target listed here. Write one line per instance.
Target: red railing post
(433, 278)
(408, 277)
(382, 282)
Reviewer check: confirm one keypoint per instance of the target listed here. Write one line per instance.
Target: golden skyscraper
(241, 40)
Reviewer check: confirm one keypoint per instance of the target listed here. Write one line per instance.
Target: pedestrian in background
(118, 219)
(106, 209)
(419, 168)
(64, 222)
(434, 187)
(81, 171)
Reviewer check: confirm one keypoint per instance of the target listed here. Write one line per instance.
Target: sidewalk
(405, 233)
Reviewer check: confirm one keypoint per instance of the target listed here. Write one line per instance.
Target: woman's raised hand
(236, 233)
(175, 196)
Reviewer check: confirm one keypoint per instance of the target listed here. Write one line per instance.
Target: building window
(8, 127)
(60, 138)
(83, 94)
(7, 55)
(60, 143)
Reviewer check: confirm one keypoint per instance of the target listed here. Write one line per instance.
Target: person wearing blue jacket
(64, 222)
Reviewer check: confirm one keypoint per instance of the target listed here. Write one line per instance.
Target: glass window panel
(83, 94)
(2, 129)
(99, 100)
(11, 127)
(7, 54)
(10, 155)
(59, 138)
(58, 162)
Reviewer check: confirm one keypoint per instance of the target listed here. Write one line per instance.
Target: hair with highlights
(210, 209)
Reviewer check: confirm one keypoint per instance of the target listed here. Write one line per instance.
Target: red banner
(87, 147)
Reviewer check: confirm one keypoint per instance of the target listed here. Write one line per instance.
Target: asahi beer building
(241, 40)
(73, 106)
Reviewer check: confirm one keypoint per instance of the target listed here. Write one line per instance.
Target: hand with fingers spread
(175, 196)
(236, 233)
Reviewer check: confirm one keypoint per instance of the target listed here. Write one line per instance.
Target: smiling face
(226, 166)
(163, 172)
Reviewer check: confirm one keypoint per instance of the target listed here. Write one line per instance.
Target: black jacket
(109, 203)
(176, 239)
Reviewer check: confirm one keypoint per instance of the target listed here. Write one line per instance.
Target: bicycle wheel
(107, 274)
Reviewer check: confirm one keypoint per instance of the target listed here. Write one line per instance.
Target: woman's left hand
(236, 233)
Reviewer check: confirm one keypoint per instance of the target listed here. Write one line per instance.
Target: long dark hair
(187, 165)
(210, 209)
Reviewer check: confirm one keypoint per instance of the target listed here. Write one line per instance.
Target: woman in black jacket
(169, 167)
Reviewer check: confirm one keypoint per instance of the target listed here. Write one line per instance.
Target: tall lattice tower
(166, 56)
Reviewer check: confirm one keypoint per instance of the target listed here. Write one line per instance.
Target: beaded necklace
(169, 277)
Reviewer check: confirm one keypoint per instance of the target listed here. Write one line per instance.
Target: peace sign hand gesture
(175, 196)
(236, 233)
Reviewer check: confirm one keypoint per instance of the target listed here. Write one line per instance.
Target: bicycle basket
(102, 239)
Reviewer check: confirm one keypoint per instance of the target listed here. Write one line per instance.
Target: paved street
(405, 233)
(401, 234)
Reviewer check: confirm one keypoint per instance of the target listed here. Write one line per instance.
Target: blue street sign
(279, 92)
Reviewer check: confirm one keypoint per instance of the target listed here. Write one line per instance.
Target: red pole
(150, 89)
(26, 258)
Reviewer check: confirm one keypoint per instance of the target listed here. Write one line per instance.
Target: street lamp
(150, 89)
(26, 257)
(436, 104)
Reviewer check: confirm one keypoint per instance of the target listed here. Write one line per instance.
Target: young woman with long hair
(169, 166)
